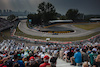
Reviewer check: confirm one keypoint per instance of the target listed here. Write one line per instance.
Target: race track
(78, 32)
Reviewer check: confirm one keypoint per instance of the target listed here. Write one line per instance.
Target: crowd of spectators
(14, 54)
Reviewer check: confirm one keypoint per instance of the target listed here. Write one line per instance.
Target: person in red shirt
(46, 59)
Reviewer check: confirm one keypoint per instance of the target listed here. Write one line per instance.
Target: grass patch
(88, 26)
(20, 33)
(5, 35)
(28, 25)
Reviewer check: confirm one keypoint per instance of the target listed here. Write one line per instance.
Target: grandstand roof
(53, 21)
(95, 19)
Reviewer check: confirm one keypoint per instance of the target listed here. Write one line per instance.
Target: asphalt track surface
(78, 32)
(55, 28)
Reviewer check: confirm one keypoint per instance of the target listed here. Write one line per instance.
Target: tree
(72, 14)
(36, 19)
(63, 17)
(30, 16)
(47, 12)
(11, 17)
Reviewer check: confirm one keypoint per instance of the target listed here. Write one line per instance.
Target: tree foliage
(63, 17)
(72, 14)
(36, 19)
(11, 17)
(47, 11)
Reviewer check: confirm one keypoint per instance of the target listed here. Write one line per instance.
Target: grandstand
(60, 21)
(10, 49)
(95, 20)
(57, 22)
(4, 24)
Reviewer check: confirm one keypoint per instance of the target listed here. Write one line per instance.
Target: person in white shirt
(43, 49)
(65, 53)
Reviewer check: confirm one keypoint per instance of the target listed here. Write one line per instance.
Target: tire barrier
(59, 31)
(68, 31)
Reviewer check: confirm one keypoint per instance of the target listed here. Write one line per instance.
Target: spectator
(32, 62)
(40, 58)
(3, 64)
(65, 53)
(43, 49)
(55, 53)
(92, 56)
(16, 65)
(17, 60)
(25, 60)
(97, 61)
(70, 54)
(84, 55)
(85, 64)
(53, 61)
(46, 59)
(61, 53)
(77, 57)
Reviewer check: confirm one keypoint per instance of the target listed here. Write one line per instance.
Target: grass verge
(20, 33)
(88, 26)
(5, 35)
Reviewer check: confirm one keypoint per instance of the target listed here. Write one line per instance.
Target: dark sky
(84, 6)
